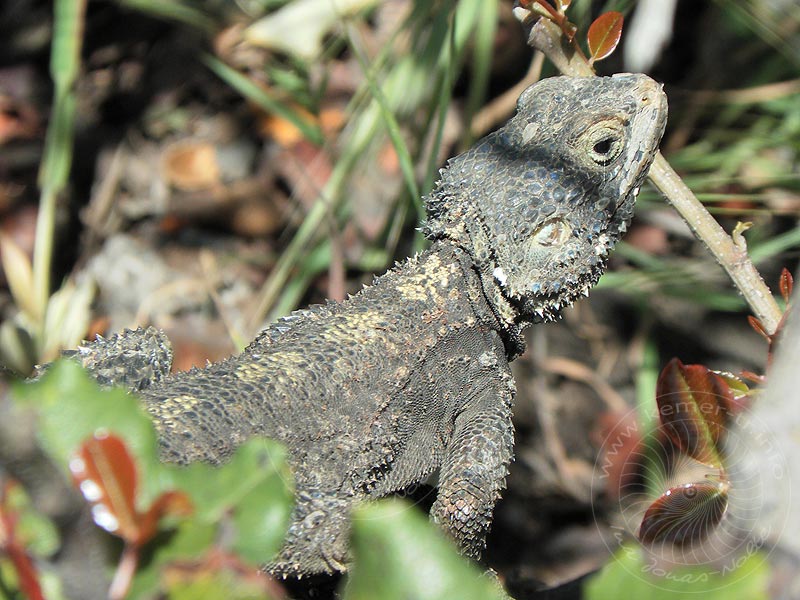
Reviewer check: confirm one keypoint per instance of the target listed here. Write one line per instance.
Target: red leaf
(26, 572)
(176, 503)
(786, 283)
(754, 377)
(694, 406)
(604, 35)
(105, 473)
(686, 513)
(10, 545)
(759, 327)
(621, 441)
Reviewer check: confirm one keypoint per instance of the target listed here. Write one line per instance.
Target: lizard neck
(509, 326)
(488, 301)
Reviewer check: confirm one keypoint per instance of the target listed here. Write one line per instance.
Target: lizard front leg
(477, 458)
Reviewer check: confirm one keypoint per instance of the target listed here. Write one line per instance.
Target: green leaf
(213, 585)
(630, 574)
(190, 540)
(255, 486)
(398, 554)
(35, 531)
(254, 489)
(72, 407)
(258, 95)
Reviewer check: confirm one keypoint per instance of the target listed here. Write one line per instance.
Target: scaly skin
(410, 376)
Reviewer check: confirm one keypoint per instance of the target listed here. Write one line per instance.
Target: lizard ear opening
(554, 232)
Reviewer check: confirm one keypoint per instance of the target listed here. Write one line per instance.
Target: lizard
(410, 378)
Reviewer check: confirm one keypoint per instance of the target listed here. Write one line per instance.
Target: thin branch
(730, 255)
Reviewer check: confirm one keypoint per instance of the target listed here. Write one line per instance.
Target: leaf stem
(123, 576)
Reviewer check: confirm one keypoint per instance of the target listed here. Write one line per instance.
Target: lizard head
(539, 203)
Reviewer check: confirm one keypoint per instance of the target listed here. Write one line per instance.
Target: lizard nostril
(553, 232)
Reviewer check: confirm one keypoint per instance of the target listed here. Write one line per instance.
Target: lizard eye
(603, 146)
(602, 142)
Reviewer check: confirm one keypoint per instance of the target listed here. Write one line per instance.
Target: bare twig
(759, 93)
(732, 257)
(580, 372)
(547, 37)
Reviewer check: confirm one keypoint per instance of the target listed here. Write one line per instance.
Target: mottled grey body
(410, 377)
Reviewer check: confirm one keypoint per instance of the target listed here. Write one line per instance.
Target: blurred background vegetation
(208, 166)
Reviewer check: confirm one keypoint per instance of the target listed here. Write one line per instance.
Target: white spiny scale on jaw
(499, 275)
(603, 245)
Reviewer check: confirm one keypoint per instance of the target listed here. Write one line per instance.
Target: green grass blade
(247, 88)
(407, 85)
(392, 128)
(172, 11)
(65, 55)
(442, 105)
(776, 245)
(64, 66)
(485, 31)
